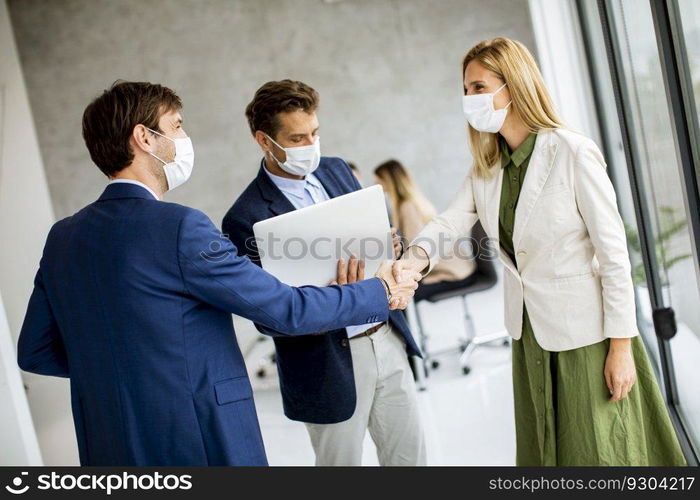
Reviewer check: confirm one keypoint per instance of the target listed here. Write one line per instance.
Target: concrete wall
(388, 72)
(25, 218)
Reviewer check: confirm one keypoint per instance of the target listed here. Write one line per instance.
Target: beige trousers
(387, 405)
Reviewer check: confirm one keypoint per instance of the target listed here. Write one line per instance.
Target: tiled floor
(468, 419)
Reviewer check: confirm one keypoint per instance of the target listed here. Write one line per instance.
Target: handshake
(401, 281)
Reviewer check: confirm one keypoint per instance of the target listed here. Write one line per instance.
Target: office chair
(483, 278)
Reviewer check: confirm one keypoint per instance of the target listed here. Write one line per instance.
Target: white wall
(562, 60)
(25, 218)
(19, 443)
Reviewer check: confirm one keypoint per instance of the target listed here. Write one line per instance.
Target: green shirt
(514, 164)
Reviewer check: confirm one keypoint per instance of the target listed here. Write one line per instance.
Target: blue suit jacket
(316, 375)
(133, 301)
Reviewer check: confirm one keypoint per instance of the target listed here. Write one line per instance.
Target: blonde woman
(410, 212)
(584, 391)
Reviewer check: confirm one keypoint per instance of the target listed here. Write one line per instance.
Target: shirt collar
(295, 187)
(132, 181)
(522, 152)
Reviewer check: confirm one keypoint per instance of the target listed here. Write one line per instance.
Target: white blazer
(573, 270)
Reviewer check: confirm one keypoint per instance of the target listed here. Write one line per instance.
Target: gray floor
(468, 419)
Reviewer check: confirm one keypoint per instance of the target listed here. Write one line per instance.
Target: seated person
(410, 212)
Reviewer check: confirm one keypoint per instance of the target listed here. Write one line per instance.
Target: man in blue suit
(133, 301)
(355, 377)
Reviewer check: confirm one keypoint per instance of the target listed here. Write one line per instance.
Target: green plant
(670, 227)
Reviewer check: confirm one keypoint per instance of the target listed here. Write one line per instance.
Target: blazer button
(344, 342)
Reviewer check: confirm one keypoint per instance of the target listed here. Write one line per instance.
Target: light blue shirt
(300, 193)
(303, 193)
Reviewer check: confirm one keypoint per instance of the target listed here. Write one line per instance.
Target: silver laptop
(302, 247)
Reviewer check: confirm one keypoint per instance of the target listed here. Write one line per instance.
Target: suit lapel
(537, 173)
(277, 202)
(329, 182)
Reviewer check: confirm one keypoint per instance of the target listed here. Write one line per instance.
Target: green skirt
(563, 415)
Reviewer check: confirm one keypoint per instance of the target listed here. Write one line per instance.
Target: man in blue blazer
(355, 377)
(133, 301)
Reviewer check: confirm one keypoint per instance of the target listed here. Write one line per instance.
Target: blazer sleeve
(441, 234)
(240, 232)
(241, 236)
(214, 273)
(40, 348)
(596, 201)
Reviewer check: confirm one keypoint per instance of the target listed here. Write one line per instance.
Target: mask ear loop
(158, 158)
(152, 153)
(509, 102)
(270, 150)
(162, 135)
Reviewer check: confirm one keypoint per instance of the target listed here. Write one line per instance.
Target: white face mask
(301, 160)
(478, 108)
(179, 170)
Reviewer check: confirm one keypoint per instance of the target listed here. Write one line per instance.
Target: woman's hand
(620, 372)
(402, 292)
(414, 260)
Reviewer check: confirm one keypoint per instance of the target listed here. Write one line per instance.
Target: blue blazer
(315, 371)
(133, 301)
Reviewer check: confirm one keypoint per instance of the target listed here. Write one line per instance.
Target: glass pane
(617, 168)
(660, 170)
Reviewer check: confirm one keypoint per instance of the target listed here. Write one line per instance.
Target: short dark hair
(278, 97)
(109, 120)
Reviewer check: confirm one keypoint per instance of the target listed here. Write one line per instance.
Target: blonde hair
(401, 188)
(513, 63)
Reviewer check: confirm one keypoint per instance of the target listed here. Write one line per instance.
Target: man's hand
(400, 292)
(355, 271)
(396, 239)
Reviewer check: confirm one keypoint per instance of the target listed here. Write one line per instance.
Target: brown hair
(109, 120)
(278, 97)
